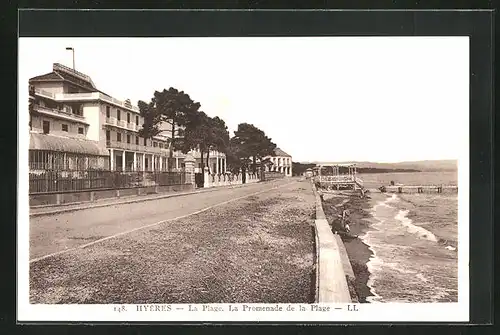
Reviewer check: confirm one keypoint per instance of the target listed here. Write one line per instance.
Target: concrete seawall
(331, 282)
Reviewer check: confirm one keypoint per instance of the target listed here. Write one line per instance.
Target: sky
(335, 99)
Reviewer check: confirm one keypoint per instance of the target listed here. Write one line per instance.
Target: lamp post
(73, 50)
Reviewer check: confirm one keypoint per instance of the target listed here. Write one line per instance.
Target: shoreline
(359, 221)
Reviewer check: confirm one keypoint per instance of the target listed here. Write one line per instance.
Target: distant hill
(424, 166)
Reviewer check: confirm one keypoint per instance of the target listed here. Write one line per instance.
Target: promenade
(248, 244)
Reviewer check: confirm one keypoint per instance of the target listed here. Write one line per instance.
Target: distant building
(281, 162)
(75, 126)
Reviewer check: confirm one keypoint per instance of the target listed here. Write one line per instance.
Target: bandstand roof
(65, 144)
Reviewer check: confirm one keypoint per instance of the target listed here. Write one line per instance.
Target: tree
(299, 168)
(196, 133)
(218, 137)
(168, 106)
(232, 157)
(251, 143)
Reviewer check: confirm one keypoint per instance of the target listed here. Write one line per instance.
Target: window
(161, 145)
(118, 115)
(146, 163)
(119, 137)
(128, 139)
(77, 109)
(64, 127)
(137, 119)
(80, 163)
(108, 112)
(155, 144)
(38, 159)
(108, 136)
(145, 142)
(137, 140)
(80, 130)
(128, 117)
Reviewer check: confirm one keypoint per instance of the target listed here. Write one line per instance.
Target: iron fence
(47, 181)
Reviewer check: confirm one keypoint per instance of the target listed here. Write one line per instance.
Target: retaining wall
(90, 196)
(331, 282)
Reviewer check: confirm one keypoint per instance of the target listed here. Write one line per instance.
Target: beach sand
(359, 221)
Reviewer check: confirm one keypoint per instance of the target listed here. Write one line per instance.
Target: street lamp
(72, 49)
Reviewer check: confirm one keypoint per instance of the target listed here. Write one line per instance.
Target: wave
(388, 260)
(374, 263)
(401, 216)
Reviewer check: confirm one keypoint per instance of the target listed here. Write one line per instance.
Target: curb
(331, 280)
(167, 195)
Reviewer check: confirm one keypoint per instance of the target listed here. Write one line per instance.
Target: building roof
(65, 144)
(64, 73)
(279, 152)
(48, 76)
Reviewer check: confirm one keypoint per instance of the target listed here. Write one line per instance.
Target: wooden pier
(420, 189)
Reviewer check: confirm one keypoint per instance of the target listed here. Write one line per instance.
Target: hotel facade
(75, 126)
(281, 162)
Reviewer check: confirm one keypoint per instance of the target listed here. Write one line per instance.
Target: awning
(65, 144)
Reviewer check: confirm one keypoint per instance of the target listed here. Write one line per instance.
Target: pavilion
(335, 175)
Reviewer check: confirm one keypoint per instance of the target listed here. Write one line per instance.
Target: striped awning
(65, 144)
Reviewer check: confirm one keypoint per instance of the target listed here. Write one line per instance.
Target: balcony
(45, 94)
(111, 121)
(121, 124)
(122, 145)
(137, 148)
(85, 96)
(132, 126)
(64, 114)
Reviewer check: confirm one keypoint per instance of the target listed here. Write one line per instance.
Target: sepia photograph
(231, 176)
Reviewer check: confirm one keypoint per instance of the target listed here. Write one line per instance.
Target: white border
(384, 312)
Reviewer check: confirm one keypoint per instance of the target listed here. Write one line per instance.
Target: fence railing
(46, 181)
(136, 147)
(64, 111)
(336, 179)
(359, 181)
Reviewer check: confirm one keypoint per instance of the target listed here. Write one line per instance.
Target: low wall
(226, 179)
(331, 282)
(90, 196)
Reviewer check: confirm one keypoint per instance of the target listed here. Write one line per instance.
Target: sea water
(413, 238)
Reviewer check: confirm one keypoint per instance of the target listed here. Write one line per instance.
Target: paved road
(61, 232)
(252, 244)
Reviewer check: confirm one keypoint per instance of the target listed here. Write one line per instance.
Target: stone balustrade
(228, 178)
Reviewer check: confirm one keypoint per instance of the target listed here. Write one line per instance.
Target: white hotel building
(282, 162)
(75, 126)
